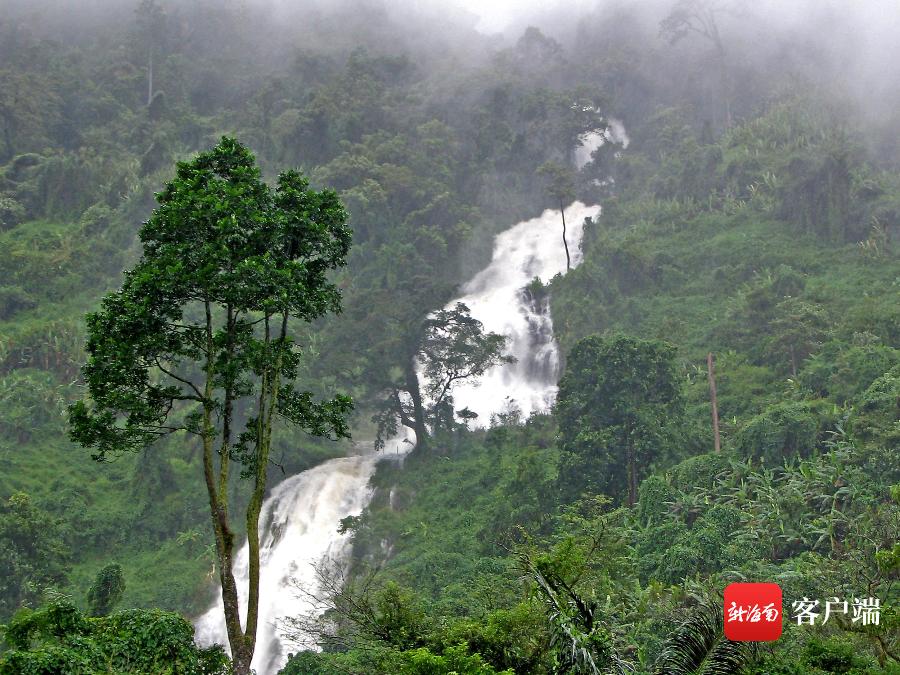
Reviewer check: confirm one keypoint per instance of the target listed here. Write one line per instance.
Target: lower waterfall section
(299, 524)
(299, 520)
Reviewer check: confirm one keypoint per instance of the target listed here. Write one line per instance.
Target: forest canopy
(746, 244)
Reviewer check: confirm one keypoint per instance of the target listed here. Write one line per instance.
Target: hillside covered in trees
(748, 236)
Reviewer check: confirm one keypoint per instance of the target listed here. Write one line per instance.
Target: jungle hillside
(234, 235)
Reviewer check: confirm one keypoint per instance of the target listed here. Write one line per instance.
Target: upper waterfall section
(498, 296)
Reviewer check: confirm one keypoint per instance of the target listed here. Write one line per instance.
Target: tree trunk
(724, 80)
(218, 509)
(793, 362)
(711, 372)
(224, 554)
(150, 77)
(241, 658)
(632, 468)
(255, 504)
(562, 212)
(8, 134)
(726, 94)
(412, 386)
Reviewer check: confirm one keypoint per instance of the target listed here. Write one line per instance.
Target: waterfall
(299, 519)
(614, 133)
(499, 296)
(298, 522)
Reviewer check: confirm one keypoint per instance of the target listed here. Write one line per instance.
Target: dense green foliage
(754, 214)
(59, 639)
(106, 591)
(618, 408)
(33, 554)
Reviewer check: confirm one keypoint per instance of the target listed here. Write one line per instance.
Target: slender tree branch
(198, 397)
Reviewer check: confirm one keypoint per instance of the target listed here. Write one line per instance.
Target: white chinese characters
(753, 613)
(865, 611)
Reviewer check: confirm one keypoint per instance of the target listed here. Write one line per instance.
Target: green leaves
(699, 646)
(59, 639)
(560, 181)
(615, 399)
(33, 554)
(784, 430)
(107, 589)
(226, 260)
(455, 347)
(580, 641)
(451, 347)
(326, 419)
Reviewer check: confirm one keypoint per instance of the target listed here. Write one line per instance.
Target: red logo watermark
(753, 612)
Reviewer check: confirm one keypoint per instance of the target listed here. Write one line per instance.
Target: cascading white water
(614, 133)
(497, 296)
(299, 520)
(299, 525)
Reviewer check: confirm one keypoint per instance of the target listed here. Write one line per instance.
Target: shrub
(11, 213)
(782, 430)
(59, 639)
(876, 416)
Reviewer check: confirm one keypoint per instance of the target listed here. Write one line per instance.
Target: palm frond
(699, 647)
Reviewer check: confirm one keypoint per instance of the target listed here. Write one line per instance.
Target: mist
(848, 51)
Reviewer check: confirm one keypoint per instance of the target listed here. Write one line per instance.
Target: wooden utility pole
(711, 371)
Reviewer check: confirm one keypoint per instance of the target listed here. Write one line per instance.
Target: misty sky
(495, 15)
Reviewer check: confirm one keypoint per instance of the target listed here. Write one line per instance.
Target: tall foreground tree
(198, 338)
(616, 400)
